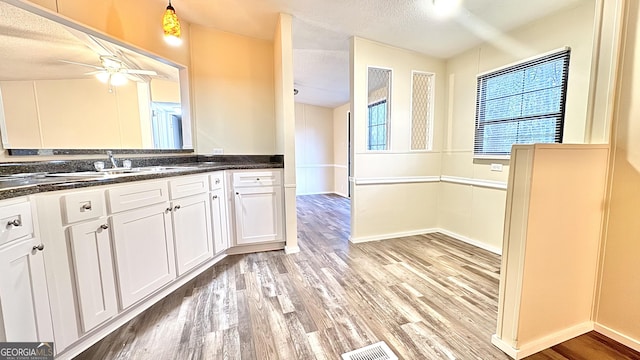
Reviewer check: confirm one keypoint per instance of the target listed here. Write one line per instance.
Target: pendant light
(171, 26)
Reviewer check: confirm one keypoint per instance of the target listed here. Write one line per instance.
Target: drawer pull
(258, 179)
(15, 222)
(104, 226)
(169, 209)
(217, 181)
(86, 207)
(175, 208)
(38, 247)
(215, 197)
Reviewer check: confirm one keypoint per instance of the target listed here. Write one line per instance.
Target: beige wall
(618, 313)
(314, 149)
(40, 116)
(233, 92)
(391, 195)
(340, 149)
(477, 212)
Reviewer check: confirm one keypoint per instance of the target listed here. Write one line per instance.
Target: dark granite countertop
(21, 183)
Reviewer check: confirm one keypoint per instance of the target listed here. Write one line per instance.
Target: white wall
(340, 149)
(314, 149)
(477, 212)
(395, 192)
(618, 313)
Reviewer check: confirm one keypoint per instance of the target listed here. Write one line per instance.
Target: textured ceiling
(321, 30)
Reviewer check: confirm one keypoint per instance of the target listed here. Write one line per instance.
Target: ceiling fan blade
(140, 72)
(82, 64)
(95, 72)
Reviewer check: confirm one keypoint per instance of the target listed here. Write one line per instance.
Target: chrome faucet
(114, 163)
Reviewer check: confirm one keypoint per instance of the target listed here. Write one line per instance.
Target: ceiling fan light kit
(171, 26)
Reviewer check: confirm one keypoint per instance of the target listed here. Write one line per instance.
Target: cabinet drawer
(257, 178)
(136, 196)
(217, 180)
(83, 205)
(15, 222)
(188, 185)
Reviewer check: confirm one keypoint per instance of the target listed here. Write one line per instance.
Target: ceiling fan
(113, 71)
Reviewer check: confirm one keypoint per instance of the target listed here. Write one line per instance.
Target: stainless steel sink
(117, 172)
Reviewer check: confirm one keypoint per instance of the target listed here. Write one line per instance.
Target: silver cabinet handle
(86, 206)
(15, 222)
(38, 247)
(215, 197)
(175, 208)
(104, 226)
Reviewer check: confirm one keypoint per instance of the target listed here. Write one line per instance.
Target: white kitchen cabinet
(219, 221)
(24, 299)
(258, 207)
(93, 272)
(219, 217)
(191, 216)
(192, 231)
(143, 250)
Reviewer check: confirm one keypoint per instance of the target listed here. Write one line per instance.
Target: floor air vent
(377, 351)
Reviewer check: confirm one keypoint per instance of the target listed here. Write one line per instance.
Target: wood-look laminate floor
(428, 297)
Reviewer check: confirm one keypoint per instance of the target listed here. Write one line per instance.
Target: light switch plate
(496, 167)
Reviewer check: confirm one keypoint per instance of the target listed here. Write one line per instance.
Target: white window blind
(521, 104)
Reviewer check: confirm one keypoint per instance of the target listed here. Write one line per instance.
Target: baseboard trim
(542, 343)
(504, 347)
(252, 248)
(618, 336)
(316, 193)
(291, 249)
(362, 239)
(470, 241)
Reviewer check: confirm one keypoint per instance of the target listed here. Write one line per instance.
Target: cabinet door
(258, 214)
(192, 231)
(93, 272)
(219, 221)
(143, 249)
(24, 299)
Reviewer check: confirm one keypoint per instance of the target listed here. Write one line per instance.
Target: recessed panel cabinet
(192, 231)
(258, 207)
(219, 221)
(24, 299)
(143, 249)
(93, 270)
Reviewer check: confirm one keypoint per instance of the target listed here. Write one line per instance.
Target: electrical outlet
(496, 167)
(218, 151)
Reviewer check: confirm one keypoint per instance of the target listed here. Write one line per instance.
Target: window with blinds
(521, 104)
(379, 99)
